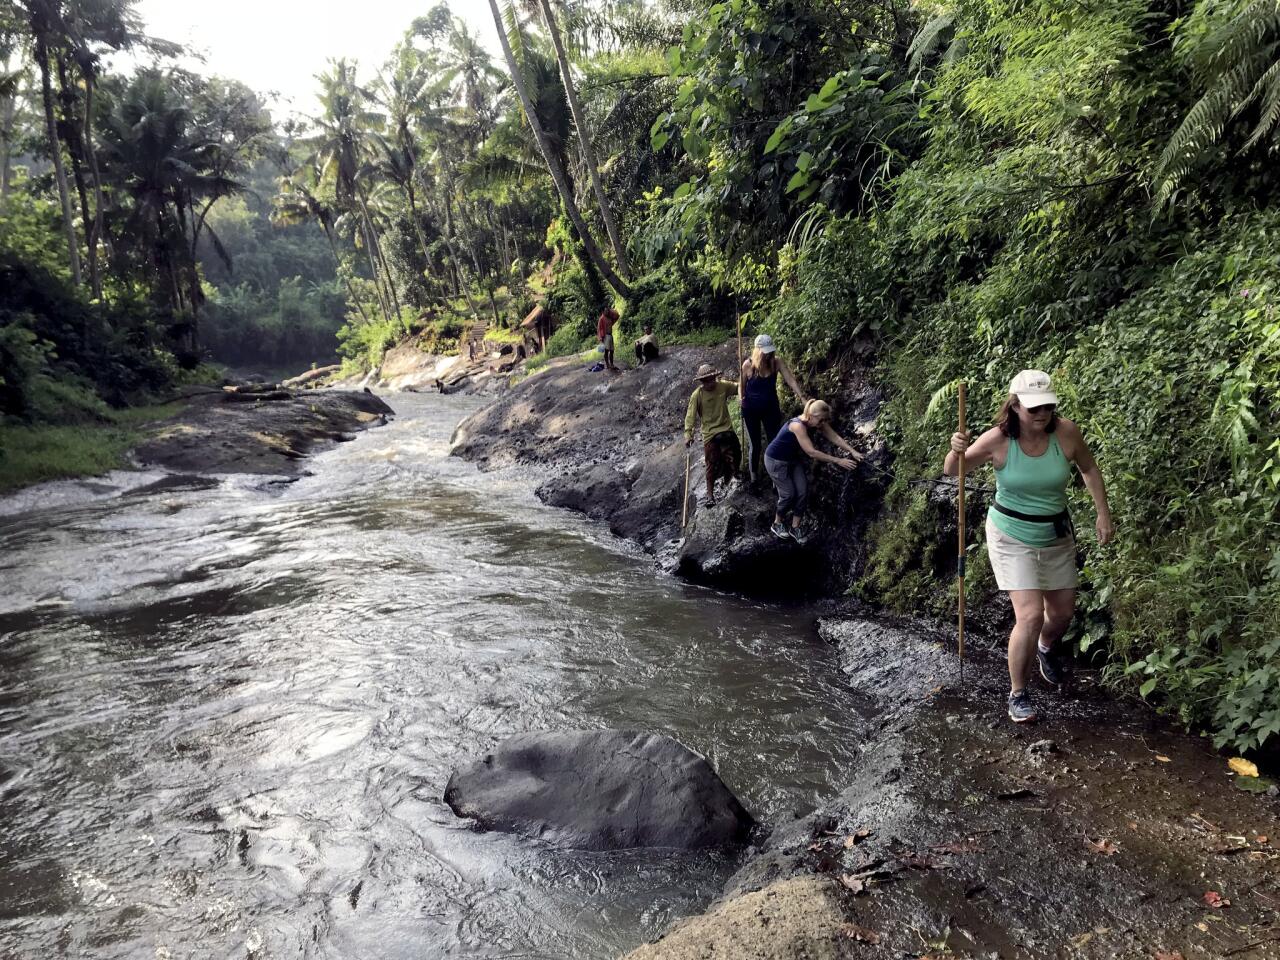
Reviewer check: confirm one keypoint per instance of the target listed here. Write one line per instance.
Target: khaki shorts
(1020, 566)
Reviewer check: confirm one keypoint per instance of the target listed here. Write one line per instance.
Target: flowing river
(228, 711)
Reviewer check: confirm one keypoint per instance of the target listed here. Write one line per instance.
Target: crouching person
(785, 459)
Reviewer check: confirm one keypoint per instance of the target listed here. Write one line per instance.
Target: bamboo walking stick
(960, 556)
(684, 510)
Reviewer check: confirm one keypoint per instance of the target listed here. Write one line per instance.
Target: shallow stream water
(228, 711)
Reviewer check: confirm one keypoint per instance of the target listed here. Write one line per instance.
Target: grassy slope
(32, 454)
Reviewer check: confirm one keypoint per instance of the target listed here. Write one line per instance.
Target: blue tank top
(760, 393)
(786, 445)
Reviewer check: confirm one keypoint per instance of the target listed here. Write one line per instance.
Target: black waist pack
(1062, 524)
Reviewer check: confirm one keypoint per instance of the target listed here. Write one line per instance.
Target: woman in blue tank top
(758, 397)
(785, 461)
(1029, 538)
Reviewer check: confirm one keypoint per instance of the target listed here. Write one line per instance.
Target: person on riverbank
(1030, 539)
(785, 458)
(646, 347)
(758, 393)
(720, 448)
(604, 332)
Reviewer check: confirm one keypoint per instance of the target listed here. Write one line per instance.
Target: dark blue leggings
(762, 426)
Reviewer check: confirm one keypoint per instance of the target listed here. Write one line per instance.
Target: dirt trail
(1099, 832)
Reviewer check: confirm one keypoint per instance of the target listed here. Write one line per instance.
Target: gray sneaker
(780, 531)
(1020, 708)
(1050, 667)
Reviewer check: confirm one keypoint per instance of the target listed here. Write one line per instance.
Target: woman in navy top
(758, 396)
(785, 461)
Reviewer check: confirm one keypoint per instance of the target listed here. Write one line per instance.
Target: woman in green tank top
(1029, 537)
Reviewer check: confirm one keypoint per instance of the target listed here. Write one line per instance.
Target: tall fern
(1238, 65)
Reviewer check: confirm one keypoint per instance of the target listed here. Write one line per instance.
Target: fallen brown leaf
(1162, 758)
(1202, 927)
(817, 847)
(1082, 939)
(1261, 838)
(1216, 900)
(1102, 845)
(853, 883)
(856, 837)
(855, 932)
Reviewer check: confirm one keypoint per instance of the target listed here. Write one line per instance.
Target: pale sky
(281, 45)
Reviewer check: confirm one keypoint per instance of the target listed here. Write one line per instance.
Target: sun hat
(1033, 389)
(764, 343)
(706, 372)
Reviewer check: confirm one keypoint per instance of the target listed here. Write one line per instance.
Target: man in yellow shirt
(720, 448)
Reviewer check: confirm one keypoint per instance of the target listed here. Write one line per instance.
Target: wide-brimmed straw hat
(706, 372)
(1033, 388)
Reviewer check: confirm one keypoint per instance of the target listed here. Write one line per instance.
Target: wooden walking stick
(684, 510)
(960, 556)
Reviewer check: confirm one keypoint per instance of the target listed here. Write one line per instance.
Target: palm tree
(166, 165)
(296, 202)
(45, 22)
(340, 147)
(1238, 64)
(554, 165)
(585, 140)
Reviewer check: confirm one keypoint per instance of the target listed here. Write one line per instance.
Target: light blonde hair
(819, 407)
(760, 367)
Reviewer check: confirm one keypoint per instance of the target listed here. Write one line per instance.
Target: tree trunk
(6, 146)
(96, 230)
(584, 138)
(55, 152)
(383, 303)
(554, 168)
(457, 265)
(351, 291)
(386, 267)
(77, 153)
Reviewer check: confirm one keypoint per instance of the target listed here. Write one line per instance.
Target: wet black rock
(600, 790)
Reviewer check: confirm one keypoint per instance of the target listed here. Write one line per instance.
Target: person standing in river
(720, 448)
(758, 394)
(1030, 539)
(785, 462)
(604, 332)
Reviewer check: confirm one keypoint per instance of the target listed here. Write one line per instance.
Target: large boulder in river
(600, 790)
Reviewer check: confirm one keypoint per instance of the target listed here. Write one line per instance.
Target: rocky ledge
(259, 429)
(610, 445)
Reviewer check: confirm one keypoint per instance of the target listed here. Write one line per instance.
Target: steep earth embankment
(611, 446)
(261, 429)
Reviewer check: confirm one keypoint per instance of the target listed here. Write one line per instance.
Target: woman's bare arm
(829, 432)
(981, 451)
(790, 379)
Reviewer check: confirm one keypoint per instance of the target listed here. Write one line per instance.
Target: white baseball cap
(764, 343)
(1033, 388)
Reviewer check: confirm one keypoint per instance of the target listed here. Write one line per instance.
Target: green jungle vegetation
(957, 190)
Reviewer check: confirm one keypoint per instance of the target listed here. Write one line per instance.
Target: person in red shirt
(604, 332)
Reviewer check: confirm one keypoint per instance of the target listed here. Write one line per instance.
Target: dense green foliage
(959, 190)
